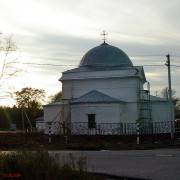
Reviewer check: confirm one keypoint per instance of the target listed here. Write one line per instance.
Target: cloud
(61, 32)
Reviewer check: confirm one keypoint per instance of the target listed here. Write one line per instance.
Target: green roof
(106, 55)
(96, 97)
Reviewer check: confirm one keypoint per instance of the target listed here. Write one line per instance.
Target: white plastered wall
(52, 113)
(105, 113)
(160, 111)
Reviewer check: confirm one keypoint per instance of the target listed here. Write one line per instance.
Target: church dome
(107, 56)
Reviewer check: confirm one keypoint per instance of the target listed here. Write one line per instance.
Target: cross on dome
(104, 35)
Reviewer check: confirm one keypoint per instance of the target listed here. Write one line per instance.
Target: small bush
(39, 164)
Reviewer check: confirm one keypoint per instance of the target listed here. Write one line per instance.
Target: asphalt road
(161, 164)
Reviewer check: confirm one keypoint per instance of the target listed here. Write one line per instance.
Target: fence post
(65, 132)
(152, 128)
(155, 128)
(124, 129)
(137, 130)
(63, 125)
(49, 131)
(26, 136)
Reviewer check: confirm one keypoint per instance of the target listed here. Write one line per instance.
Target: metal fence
(163, 127)
(46, 127)
(82, 128)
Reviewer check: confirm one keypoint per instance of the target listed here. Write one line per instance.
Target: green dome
(107, 56)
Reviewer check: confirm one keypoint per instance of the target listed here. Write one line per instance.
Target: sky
(52, 37)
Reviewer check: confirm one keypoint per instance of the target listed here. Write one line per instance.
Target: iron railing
(82, 128)
(45, 127)
(163, 127)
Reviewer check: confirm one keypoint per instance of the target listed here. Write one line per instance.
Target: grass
(39, 164)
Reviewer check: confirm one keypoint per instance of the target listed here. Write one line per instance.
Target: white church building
(106, 89)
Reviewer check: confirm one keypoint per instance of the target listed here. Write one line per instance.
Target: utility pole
(22, 119)
(170, 95)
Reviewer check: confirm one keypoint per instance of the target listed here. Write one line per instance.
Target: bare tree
(165, 93)
(8, 70)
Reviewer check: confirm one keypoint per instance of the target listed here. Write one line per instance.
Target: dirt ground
(19, 139)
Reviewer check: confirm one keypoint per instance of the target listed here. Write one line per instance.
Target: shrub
(40, 165)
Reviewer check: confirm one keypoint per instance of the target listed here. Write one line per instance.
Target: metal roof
(93, 68)
(155, 98)
(96, 97)
(53, 104)
(105, 55)
(41, 118)
(101, 68)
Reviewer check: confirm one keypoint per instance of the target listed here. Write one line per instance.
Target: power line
(175, 65)
(153, 65)
(49, 64)
(42, 64)
(80, 53)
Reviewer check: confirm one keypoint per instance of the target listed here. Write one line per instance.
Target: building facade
(107, 88)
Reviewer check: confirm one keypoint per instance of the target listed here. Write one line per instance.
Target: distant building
(107, 88)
